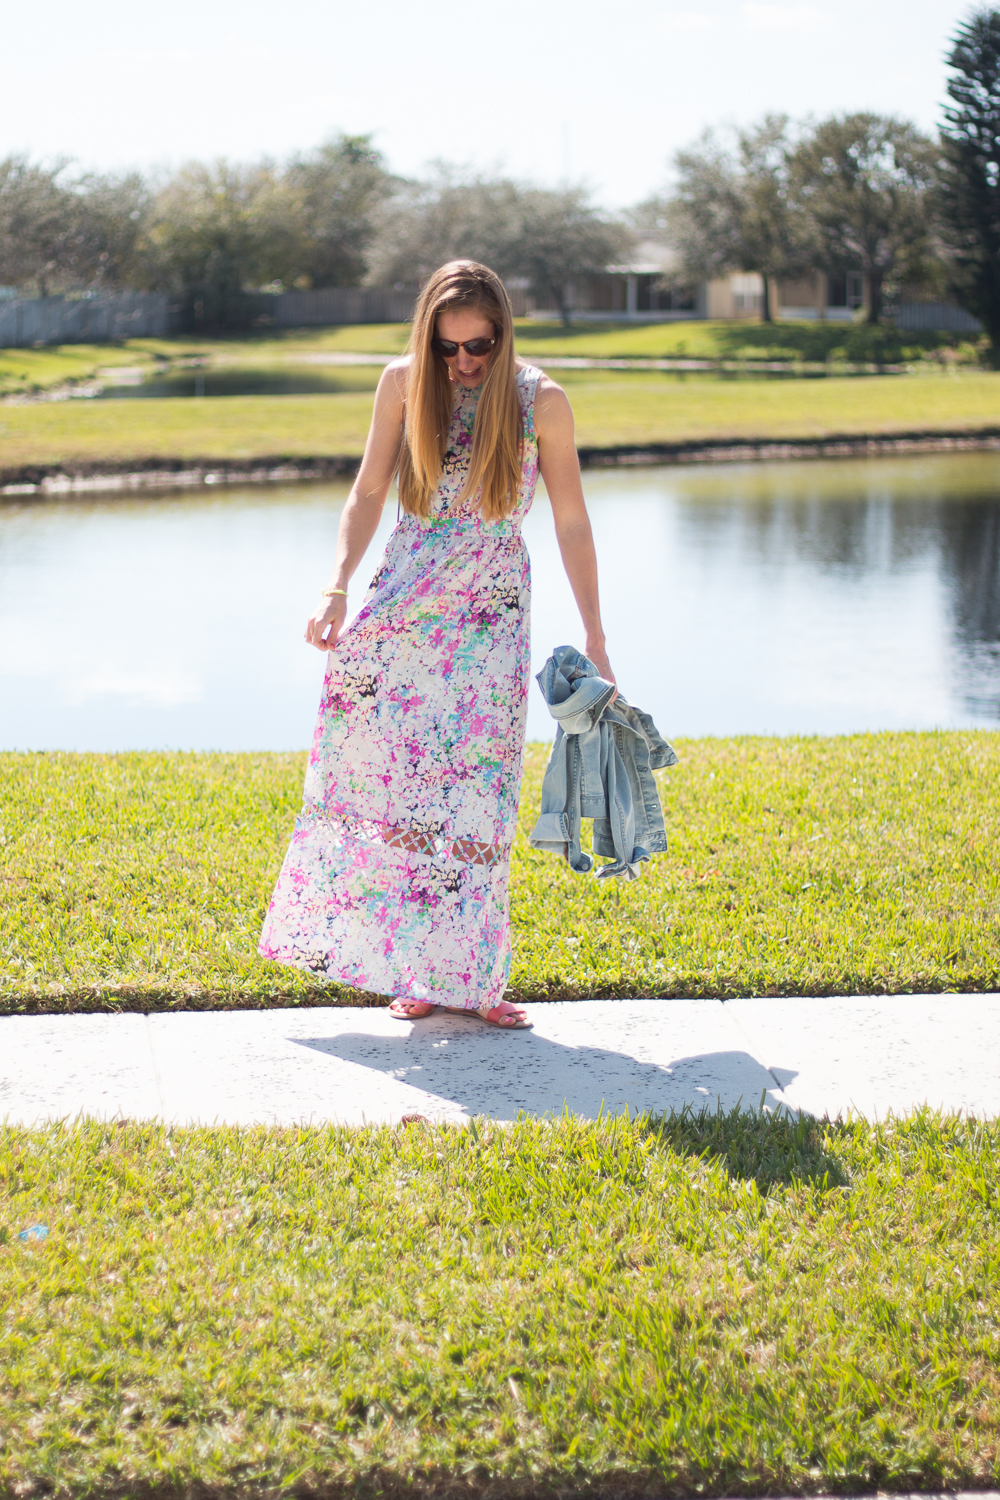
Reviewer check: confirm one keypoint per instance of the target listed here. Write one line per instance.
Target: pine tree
(970, 170)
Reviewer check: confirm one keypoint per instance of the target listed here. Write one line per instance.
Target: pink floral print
(396, 880)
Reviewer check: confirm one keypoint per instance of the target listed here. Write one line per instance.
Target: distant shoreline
(160, 474)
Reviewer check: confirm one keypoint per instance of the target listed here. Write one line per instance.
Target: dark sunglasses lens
(475, 347)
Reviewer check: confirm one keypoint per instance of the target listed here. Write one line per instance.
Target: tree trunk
(875, 297)
(563, 305)
(765, 312)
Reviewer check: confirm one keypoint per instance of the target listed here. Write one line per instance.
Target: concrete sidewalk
(870, 1055)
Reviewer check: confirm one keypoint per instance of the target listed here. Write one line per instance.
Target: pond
(767, 598)
(228, 380)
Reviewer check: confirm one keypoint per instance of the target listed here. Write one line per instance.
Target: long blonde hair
(495, 462)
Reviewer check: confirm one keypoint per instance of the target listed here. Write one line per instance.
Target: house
(649, 288)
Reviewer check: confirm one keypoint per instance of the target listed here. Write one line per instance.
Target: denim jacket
(601, 767)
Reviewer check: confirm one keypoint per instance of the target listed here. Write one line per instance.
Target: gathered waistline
(458, 524)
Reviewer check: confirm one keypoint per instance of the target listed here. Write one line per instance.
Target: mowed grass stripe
(715, 1305)
(860, 864)
(611, 408)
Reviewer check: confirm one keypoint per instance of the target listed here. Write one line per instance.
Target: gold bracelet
(329, 593)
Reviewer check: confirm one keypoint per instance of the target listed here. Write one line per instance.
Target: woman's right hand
(323, 629)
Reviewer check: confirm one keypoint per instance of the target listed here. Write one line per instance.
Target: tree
(36, 220)
(863, 181)
(217, 231)
(549, 238)
(733, 208)
(334, 194)
(105, 243)
(969, 173)
(561, 237)
(448, 217)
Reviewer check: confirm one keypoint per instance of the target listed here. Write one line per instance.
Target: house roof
(649, 258)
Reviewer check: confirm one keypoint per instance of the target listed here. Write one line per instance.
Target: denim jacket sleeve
(601, 767)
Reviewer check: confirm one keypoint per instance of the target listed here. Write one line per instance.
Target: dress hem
(329, 976)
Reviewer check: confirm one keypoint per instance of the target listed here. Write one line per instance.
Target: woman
(396, 880)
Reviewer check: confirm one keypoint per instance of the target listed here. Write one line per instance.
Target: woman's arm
(363, 510)
(560, 469)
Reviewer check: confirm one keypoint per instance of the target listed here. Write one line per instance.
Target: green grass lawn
(737, 339)
(638, 408)
(707, 1305)
(29, 370)
(803, 866)
(698, 339)
(611, 408)
(224, 427)
(26, 370)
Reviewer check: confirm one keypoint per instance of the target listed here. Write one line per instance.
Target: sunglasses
(475, 347)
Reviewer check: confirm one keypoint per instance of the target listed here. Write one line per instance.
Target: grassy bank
(26, 370)
(863, 864)
(23, 371)
(698, 339)
(738, 339)
(611, 408)
(720, 1305)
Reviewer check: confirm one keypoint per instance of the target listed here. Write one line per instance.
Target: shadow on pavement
(500, 1075)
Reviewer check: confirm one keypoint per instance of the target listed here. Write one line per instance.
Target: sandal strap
(514, 1012)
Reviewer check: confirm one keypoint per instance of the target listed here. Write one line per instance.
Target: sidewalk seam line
(156, 1070)
(751, 1043)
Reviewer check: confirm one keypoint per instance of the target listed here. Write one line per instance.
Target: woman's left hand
(599, 657)
(325, 625)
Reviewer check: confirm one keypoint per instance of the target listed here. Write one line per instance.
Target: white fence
(930, 317)
(341, 304)
(128, 315)
(82, 320)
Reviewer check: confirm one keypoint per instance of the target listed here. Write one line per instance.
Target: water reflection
(763, 598)
(290, 381)
(875, 525)
(833, 596)
(971, 555)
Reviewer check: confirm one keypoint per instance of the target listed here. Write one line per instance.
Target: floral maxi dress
(396, 880)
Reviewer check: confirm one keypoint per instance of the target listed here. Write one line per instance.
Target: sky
(581, 92)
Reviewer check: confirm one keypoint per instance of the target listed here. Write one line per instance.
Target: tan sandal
(410, 1010)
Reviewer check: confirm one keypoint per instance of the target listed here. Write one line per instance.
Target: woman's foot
(410, 1010)
(508, 1017)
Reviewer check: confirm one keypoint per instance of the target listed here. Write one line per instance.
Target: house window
(748, 292)
(670, 298)
(836, 291)
(846, 291)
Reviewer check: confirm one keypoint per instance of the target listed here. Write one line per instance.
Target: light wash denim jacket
(601, 767)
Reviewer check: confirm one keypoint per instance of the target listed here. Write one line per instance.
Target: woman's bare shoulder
(552, 406)
(392, 382)
(545, 383)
